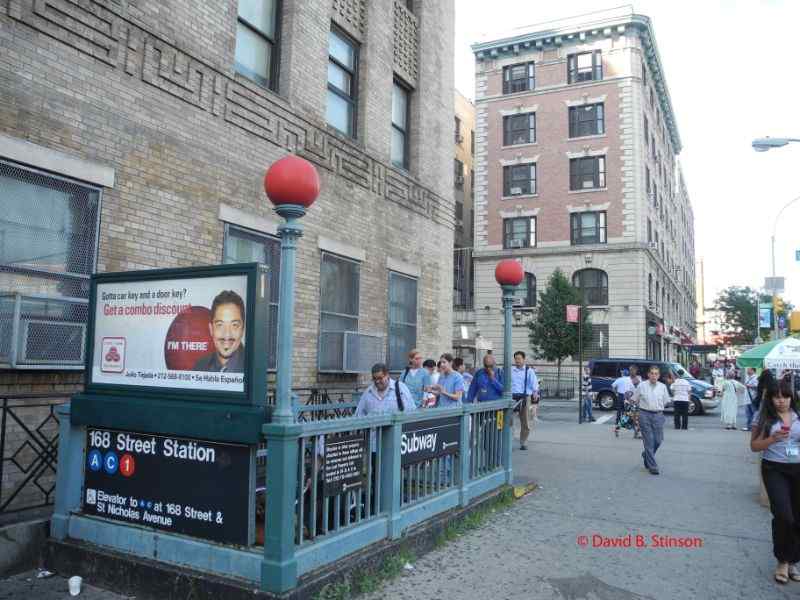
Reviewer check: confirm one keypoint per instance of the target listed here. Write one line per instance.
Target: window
(471, 183)
(519, 129)
(519, 232)
(458, 137)
(526, 290)
(342, 82)
(650, 289)
(339, 291)
(472, 143)
(242, 245)
(399, 152)
(256, 41)
(518, 78)
(588, 228)
(519, 179)
(593, 284)
(647, 180)
(402, 319)
(586, 66)
(48, 245)
(597, 344)
(458, 174)
(586, 120)
(587, 173)
(644, 74)
(649, 231)
(646, 130)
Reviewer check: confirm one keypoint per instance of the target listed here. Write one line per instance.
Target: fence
(555, 384)
(28, 452)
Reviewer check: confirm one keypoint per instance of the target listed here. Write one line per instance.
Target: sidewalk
(593, 486)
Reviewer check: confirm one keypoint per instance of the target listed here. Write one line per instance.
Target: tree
(737, 309)
(551, 337)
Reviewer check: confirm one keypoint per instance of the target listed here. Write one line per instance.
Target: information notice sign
(193, 487)
(345, 463)
(425, 440)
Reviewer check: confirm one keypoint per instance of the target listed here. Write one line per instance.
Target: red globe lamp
(509, 272)
(292, 182)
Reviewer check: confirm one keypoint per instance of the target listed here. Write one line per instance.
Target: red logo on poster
(188, 338)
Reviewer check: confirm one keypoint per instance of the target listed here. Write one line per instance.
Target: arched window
(593, 284)
(650, 289)
(526, 290)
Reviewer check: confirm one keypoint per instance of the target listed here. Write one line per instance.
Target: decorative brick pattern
(406, 43)
(351, 14)
(97, 32)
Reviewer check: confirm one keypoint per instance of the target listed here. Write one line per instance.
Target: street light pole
(774, 291)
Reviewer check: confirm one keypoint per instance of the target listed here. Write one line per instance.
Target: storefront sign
(424, 440)
(185, 333)
(180, 485)
(345, 463)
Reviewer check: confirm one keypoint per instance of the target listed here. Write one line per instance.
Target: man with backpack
(524, 388)
(385, 395)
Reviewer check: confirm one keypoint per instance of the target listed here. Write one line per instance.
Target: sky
(732, 73)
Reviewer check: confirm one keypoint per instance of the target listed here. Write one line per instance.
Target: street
(592, 484)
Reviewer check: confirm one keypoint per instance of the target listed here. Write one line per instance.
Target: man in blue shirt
(487, 384)
(524, 386)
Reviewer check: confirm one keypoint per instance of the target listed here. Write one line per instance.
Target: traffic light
(777, 305)
(794, 321)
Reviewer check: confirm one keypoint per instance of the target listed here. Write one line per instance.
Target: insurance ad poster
(172, 333)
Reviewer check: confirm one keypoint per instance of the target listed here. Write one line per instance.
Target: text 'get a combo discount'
(173, 333)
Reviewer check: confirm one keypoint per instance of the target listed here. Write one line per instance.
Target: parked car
(605, 370)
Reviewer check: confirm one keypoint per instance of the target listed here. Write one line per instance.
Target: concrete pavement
(593, 486)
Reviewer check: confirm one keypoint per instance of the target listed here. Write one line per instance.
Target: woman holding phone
(776, 434)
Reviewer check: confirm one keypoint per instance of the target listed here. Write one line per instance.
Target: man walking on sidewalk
(524, 386)
(652, 396)
(751, 383)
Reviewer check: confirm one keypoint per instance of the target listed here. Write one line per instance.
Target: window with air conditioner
(519, 232)
(519, 179)
(525, 294)
(48, 247)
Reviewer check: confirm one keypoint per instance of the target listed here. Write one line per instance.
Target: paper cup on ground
(75, 585)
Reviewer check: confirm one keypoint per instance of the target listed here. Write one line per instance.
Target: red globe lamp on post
(509, 274)
(292, 185)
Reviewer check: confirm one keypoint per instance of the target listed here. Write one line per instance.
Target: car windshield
(679, 370)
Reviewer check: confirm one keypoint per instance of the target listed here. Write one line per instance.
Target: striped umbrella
(778, 354)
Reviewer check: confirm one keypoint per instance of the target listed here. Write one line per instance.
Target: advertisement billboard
(186, 333)
(765, 318)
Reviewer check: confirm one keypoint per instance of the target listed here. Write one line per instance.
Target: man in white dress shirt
(652, 396)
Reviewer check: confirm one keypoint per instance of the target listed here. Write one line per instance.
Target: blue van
(604, 371)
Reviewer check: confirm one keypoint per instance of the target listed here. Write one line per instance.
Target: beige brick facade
(154, 95)
(639, 324)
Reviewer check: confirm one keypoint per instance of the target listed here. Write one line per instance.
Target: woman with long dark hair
(776, 434)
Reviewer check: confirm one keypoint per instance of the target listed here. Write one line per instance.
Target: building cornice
(604, 24)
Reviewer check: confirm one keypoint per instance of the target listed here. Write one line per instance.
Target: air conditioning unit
(49, 342)
(349, 351)
(518, 302)
(515, 191)
(515, 244)
(459, 180)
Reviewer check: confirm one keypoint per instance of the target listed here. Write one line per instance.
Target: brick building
(135, 135)
(577, 168)
(464, 189)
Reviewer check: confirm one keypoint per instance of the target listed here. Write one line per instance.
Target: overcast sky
(732, 70)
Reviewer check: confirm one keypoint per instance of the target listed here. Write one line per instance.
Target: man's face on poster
(227, 329)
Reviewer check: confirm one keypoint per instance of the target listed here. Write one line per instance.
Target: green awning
(778, 354)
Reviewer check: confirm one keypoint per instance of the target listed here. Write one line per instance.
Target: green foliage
(551, 337)
(737, 310)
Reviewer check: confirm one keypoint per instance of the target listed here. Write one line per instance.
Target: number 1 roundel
(127, 465)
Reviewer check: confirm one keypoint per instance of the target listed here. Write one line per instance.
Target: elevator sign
(193, 487)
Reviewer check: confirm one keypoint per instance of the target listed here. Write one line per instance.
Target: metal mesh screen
(48, 241)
